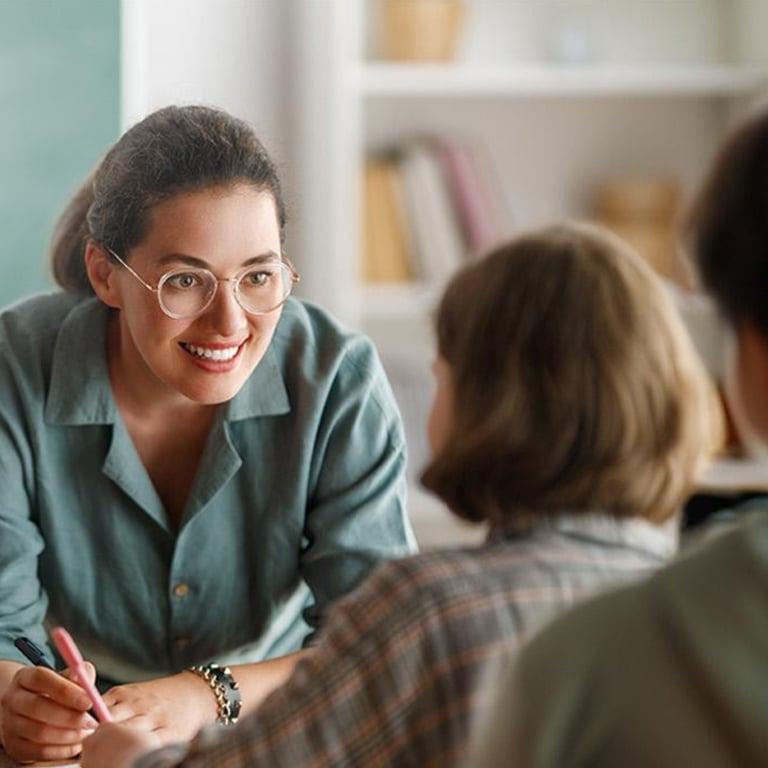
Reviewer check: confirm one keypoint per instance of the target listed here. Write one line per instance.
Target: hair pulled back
(172, 151)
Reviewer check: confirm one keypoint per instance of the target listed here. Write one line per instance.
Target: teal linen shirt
(299, 493)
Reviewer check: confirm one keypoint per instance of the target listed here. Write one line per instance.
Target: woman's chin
(213, 391)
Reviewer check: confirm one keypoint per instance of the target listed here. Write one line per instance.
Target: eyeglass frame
(284, 262)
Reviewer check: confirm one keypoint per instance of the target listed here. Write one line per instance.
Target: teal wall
(59, 112)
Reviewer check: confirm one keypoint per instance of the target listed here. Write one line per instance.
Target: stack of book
(427, 207)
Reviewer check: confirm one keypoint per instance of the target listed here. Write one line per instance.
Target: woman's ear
(102, 275)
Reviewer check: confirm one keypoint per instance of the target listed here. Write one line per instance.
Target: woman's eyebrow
(193, 261)
(263, 258)
(175, 258)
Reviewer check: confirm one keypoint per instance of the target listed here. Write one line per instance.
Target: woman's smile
(214, 357)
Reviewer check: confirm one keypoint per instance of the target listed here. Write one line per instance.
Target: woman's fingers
(44, 716)
(140, 722)
(45, 733)
(46, 682)
(123, 710)
(131, 701)
(44, 710)
(90, 672)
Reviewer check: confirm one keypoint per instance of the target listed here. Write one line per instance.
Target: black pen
(35, 654)
(32, 652)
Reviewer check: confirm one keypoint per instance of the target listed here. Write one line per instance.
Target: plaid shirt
(397, 674)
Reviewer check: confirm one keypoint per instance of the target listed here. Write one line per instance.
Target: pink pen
(70, 653)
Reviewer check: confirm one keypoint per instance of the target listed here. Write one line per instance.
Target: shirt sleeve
(23, 603)
(357, 515)
(356, 697)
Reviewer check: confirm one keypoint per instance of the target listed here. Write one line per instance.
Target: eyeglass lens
(188, 292)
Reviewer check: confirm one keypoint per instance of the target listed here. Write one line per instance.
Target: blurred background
(411, 135)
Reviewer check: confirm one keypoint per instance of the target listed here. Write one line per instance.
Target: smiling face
(208, 358)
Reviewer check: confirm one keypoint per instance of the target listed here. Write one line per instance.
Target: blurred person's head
(729, 228)
(565, 382)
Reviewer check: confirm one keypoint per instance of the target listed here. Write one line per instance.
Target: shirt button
(181, 643)
(181, 590)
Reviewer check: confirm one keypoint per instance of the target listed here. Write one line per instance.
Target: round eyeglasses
(187, 292)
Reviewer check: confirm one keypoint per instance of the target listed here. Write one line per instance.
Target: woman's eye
(257, 279)
(184, 280)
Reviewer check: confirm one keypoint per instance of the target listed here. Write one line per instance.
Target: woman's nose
(225, 314)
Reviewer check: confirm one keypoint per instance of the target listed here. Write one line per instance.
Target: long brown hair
(575, 384)
(172, 151)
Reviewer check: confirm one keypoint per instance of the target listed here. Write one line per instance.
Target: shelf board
(385, 301)
(734, 476)
(422, 80)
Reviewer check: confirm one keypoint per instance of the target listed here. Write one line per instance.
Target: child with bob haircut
(571, 414)
(685, 679)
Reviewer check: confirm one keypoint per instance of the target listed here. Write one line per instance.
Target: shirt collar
(264, 392)
(80, 392)
(659, 540)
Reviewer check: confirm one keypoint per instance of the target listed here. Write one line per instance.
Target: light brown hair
(576, 387)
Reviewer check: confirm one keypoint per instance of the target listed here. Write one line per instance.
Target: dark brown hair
(575, 385)
(728, 225)
(172, 151)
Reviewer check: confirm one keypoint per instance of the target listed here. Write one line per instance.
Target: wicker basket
(645, 213)
(420, 30)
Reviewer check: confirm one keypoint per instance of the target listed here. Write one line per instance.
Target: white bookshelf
(667, 81)
(688, 69)
(383, 80)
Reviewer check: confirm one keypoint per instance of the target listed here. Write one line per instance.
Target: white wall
(226, 53)
(748, 31)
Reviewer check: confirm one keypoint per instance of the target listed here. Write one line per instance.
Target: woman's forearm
(257, 681)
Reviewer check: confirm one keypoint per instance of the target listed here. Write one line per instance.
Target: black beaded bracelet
(225, 689)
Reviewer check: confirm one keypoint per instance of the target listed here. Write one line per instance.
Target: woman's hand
(172, 708)
(117, 746)
(44, 716)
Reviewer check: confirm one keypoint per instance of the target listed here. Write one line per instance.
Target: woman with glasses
(193, 464)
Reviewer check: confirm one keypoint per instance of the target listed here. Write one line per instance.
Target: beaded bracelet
(225, 689)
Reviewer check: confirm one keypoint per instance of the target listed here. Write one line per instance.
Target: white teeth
(219, 355)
